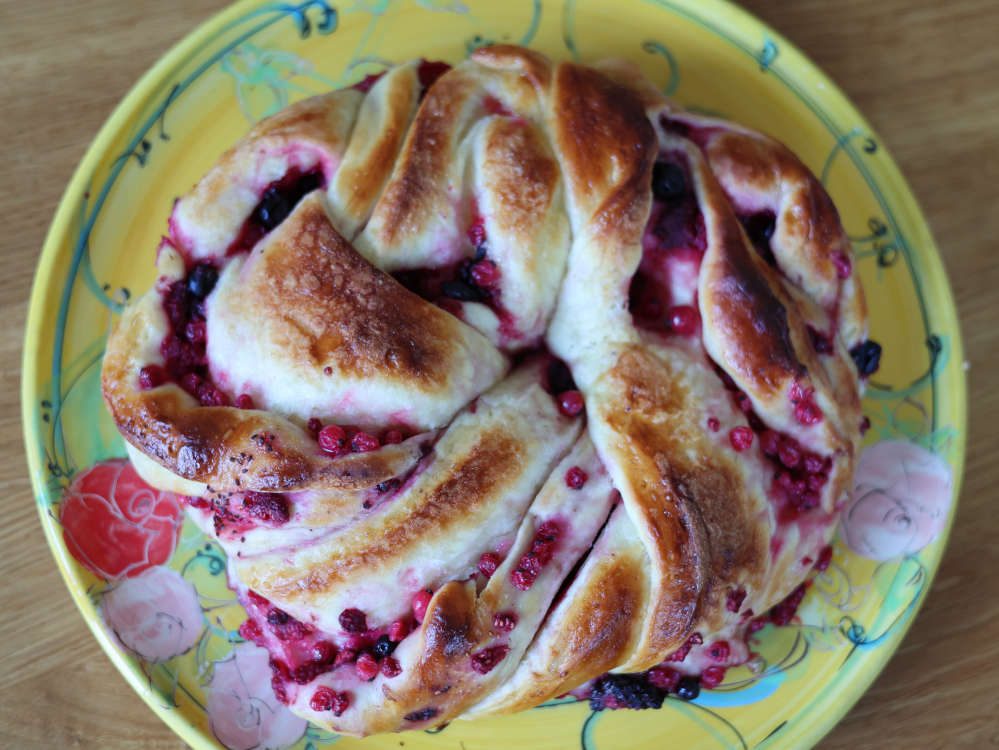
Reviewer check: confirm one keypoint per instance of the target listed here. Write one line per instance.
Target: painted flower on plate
(901, 495)
(156, 614)
(115, 524)
(242, 709)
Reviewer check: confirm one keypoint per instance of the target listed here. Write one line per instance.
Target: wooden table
(925, 73)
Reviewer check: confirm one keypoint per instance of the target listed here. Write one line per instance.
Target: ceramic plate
(153, 589)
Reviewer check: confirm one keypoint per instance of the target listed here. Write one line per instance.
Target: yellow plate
(257, 56)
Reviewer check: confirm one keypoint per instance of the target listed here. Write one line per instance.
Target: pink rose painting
(242, 709)
(115, 524)
(156, 614)
(901, 497)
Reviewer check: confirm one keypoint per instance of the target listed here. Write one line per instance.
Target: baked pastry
(499, 382)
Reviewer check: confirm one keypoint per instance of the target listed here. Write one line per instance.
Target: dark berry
(625, 691)
(428, 72)
(668, 181)
(559, 377)
(688, 688)
(867, 357)
(460, 291)
(383, 646)
(202, 280)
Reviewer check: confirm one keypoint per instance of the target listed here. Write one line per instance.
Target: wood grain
(925, 73)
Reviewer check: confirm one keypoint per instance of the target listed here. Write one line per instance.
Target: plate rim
(830, 709)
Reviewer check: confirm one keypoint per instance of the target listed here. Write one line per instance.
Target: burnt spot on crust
(743, 308)
(332, 308)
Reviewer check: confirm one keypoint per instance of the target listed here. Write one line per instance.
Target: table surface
(925, 73)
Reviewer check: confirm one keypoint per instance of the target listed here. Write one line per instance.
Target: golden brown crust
(332, 308)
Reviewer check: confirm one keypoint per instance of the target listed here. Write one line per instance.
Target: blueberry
(867, 357)
(383, 646)
(272, 209)
(688, 688)
(201, 280)
(461, 291)
(668, 181)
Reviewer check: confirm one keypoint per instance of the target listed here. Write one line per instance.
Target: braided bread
(499, 382)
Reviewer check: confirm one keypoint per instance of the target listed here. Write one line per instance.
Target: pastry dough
(500, 382)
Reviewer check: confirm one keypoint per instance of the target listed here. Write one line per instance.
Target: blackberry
(625, 691)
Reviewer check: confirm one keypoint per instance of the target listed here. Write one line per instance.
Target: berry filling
(471, 279)
(420, 603)
(575, 478)
(543, 548)
(300, 652)
(429, 71)
(488, 563)
(672, 248)
(504, 621)
(485, 661)
(235, 514)
(799, 474)
(183, 347)
(276, 203)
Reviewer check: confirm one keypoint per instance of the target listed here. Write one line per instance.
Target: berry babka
(499, 382)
